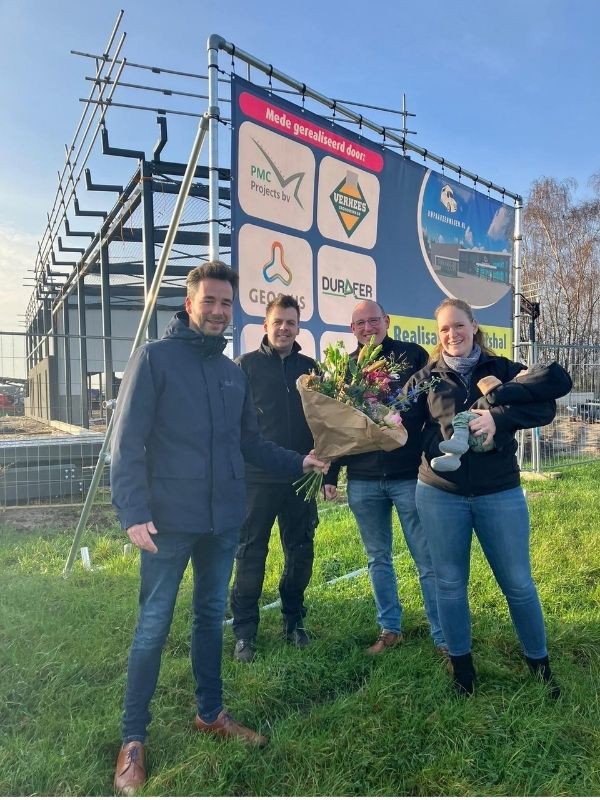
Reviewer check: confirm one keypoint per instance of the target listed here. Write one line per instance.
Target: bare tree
(562, 258)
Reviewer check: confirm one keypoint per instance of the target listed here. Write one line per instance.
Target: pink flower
(393, 419)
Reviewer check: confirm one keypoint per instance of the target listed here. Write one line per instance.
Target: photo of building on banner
(333, 218)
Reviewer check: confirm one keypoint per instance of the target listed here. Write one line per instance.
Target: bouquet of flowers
(353, 406)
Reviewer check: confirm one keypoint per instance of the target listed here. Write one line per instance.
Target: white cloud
(501, 224)
(468, 237)
(465, 193)
(17, 256)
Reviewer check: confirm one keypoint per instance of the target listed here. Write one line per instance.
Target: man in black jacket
(378, 482)
(272, 371)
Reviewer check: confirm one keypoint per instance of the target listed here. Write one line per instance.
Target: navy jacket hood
(179, 328)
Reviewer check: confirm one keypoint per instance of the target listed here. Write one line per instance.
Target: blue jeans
(371, 502)
(501, 523)
(161, 573)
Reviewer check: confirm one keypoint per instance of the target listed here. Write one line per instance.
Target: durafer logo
(344, 287)
(265, 176)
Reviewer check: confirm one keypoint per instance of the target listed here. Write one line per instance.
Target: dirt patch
(570, 438)
(23, 428)
(55, 518)
(28, 428)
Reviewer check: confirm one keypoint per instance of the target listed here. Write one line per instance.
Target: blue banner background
(406, 284)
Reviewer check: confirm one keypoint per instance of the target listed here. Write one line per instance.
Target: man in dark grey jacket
(272, 371)
(184, 425)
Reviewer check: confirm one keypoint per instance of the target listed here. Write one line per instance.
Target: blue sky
(508, 90)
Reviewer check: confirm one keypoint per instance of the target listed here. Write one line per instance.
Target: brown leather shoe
(226, 727)
(130, 773)
(385, 640)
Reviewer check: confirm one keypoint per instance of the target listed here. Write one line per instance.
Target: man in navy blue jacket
(185, 424)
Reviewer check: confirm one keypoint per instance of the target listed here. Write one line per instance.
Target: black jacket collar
(268, 350)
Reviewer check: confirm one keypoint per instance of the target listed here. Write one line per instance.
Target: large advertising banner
(332, 218)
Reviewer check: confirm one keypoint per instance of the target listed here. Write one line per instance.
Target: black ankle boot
(295, 633)
(541, 669)
(463, 673)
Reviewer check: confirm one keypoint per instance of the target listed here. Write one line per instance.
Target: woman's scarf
(463, 365)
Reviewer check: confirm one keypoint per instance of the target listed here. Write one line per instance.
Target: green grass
(339, 723)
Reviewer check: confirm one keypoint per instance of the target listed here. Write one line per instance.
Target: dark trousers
(297, 520)
(161, 574)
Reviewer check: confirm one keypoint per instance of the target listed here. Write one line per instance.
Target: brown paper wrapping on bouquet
(342, 430)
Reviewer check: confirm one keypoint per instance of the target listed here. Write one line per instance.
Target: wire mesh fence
(50, 439)
(574, 435)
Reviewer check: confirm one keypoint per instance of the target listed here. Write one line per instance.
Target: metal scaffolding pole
(517, 280)
(67, 352)
(104, 457)
(47, 324)
(106, 328)
(148, 240)
(212, 47)
(83, 365)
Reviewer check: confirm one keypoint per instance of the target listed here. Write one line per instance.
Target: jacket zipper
(287, 405)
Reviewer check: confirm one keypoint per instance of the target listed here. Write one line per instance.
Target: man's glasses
(372, 322)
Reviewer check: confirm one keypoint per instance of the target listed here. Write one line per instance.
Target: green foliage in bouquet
(368, 383)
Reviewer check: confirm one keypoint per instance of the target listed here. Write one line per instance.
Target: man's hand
(311, 462)
(483, 425)
(141, 536)
(329, 491)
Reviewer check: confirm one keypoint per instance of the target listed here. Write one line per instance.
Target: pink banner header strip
(275, 117)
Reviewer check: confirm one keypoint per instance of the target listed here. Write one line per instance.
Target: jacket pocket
(180, 503)
(312, 521)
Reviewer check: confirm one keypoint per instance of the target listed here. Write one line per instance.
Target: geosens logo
(349, 203)
(262, 179)
(276, 269)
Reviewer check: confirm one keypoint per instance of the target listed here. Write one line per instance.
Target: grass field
(339, 723)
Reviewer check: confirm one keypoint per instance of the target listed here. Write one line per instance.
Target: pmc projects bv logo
(270, 180)
(275, 178)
